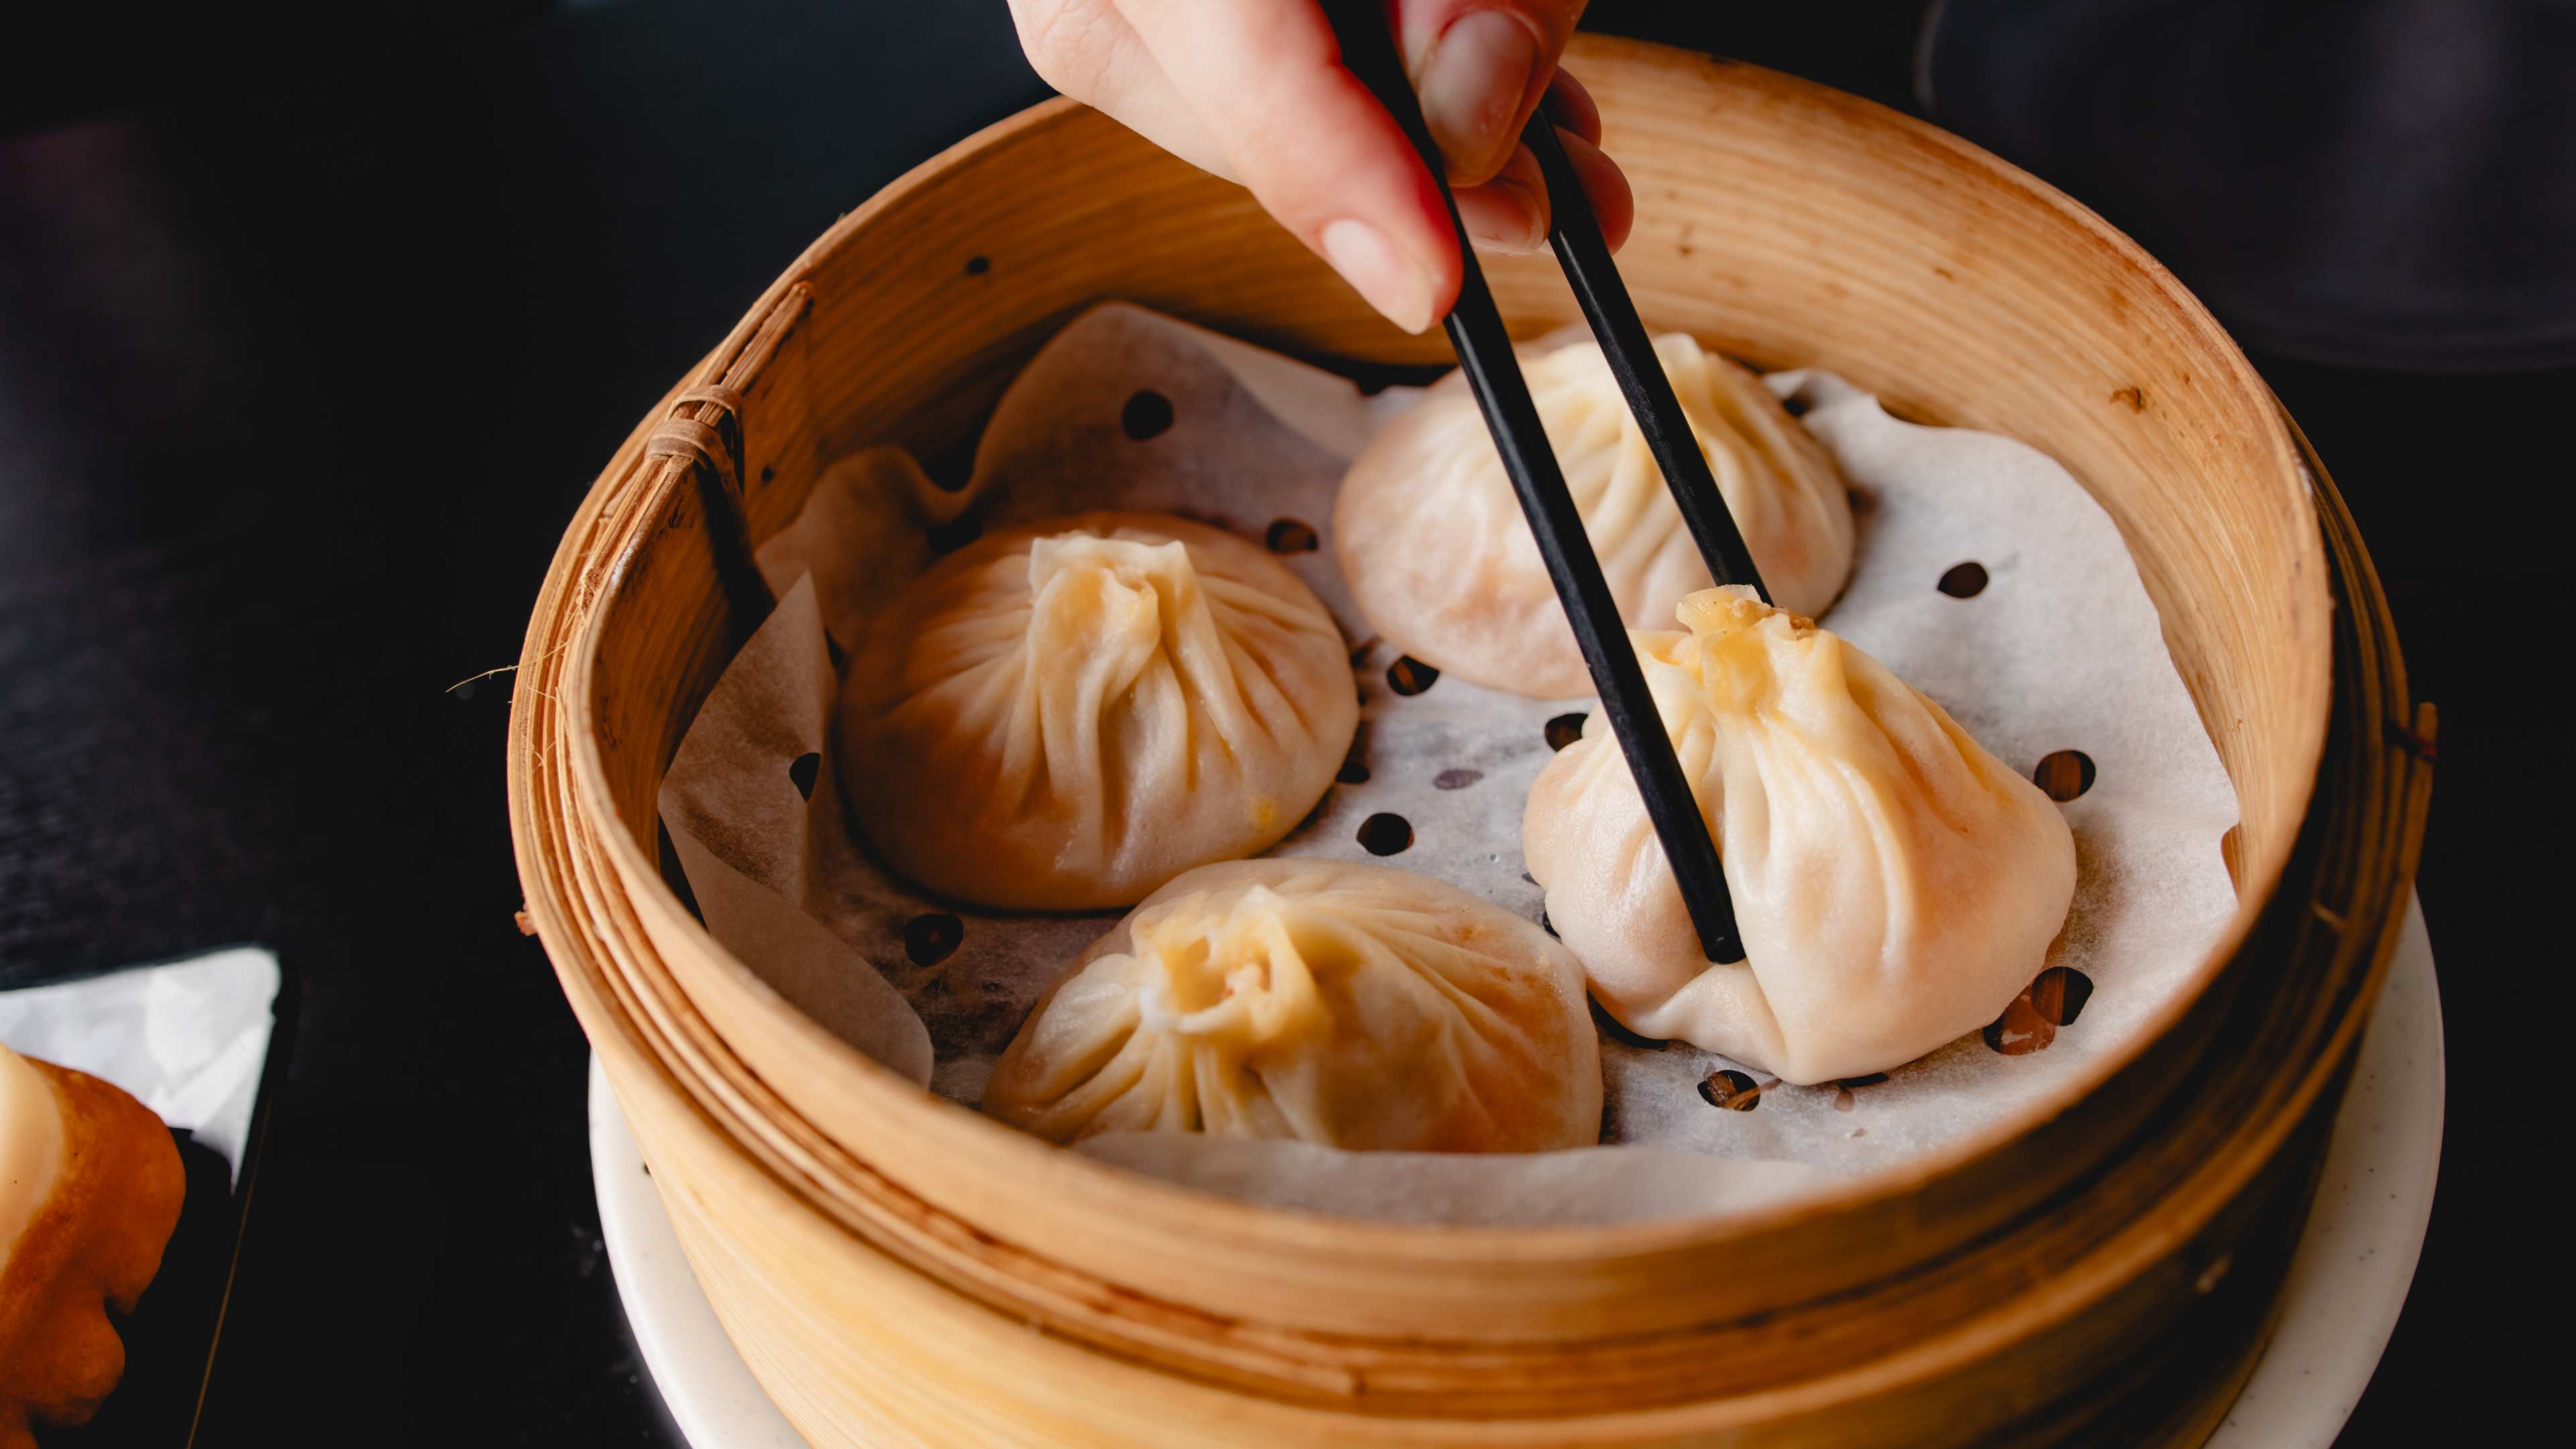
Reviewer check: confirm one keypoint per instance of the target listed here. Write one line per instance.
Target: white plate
(2346, 1283)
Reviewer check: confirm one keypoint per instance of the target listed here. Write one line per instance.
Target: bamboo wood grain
(833, 1209)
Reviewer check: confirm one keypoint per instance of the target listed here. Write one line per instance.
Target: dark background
(315, 322)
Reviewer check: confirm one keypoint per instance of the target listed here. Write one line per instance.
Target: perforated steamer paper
(2058, 650)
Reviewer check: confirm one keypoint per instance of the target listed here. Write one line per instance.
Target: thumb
(1265, 78)
(1480, 67)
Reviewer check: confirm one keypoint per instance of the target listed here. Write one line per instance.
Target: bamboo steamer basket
(898, 1269)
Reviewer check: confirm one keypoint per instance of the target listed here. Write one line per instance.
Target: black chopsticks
(1485, 355)
(1584, 254)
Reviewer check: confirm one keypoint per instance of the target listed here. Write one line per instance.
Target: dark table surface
(312, 333)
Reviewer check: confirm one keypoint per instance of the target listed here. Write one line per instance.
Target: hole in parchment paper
(1795, 406)
(1964, 581)
(1732, 1090)
(1844, 1100)
(802, 770)
(2059, 995)
(1456, 779)
(1564, 730)
(2023, 1028)
(1352, 773)
(2064, 774)
(1287, 535)
(1410, 676)
(1386, 834)
(1146, 414)
(928, 939)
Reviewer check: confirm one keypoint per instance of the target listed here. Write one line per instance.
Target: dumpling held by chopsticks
(1895, 884)
(1440, 559)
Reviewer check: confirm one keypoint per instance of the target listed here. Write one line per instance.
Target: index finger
(1317, 149)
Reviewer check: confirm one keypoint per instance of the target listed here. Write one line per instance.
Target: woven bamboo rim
(2030, 1278)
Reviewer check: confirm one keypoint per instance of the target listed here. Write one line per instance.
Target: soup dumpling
(1355, 1006)
(1440, 558)
(1064, 716)
(1896, 886)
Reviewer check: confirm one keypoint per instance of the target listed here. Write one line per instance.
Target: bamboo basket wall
(897, 1269)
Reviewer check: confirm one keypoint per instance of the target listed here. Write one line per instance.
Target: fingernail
(1506, 214)
(1501, 218)
(1367, 258)
(1472, 87)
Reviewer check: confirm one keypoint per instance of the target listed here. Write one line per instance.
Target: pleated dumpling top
(1066, 715)
(1354, 1006)
(1440, 559)
(1895, 884)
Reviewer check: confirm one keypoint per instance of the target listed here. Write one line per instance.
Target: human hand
(1254, 91)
